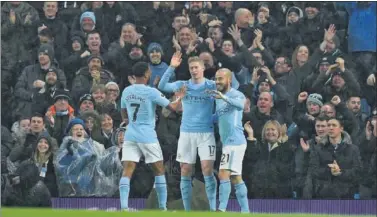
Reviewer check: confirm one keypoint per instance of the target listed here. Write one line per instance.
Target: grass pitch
(10, 212)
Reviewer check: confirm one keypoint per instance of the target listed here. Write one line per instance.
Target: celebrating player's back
(138, 104)
(140, 101)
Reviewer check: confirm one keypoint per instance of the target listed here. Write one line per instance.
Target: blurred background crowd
(300, 64)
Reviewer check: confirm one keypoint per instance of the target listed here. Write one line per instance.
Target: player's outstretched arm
(164, 84)
(237, 100)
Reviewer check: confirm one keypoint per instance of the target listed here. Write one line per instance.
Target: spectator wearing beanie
(86, 103)
(157, 66)
(59, 114)
(72, 63)
(306, 110)
(88, 76)
(338, 81)
(43, 98)
(32, 79)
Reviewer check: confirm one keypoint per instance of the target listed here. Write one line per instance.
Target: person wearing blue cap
(157, 66)
(88, 21)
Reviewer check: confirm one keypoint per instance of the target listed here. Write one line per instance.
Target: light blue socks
(211, 189)
(162, 192)
(124, 191)
(186, 191)
(241, 194)
(224, 192)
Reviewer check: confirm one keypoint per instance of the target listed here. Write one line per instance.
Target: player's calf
(160, 183)
(241, 193)
(124, 183)
(210, 182)
(224, 189)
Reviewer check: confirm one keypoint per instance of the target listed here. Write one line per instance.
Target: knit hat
(78, 39)
(88, 97)
(155, 47)
(61, 94)
(48, 50)
(327, 59)
(95, 56)
(45, 135)
(89, 15)
(295, 10)
(315, 98)
(74, 122)
(52, 69)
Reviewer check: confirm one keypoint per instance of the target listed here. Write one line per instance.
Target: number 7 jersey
(140, 102)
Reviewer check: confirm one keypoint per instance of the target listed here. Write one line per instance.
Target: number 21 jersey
(140, 102)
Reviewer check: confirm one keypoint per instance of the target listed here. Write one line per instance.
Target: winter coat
(271, 171)
(15, 38)
(347, 157)
(168, 130)
(257, 120)
(24, 88)
(30, 192)
(83, 82)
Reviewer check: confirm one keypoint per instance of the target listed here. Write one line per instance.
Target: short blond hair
(274, 123)
(196, 59)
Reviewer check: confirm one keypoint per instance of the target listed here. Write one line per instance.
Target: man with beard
(354, 105)
(88, 76)
(138, 108)
(32, 79)
(44, 97)
(210, 68)
(229, 109)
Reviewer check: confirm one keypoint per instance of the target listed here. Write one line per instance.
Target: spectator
(335, 164)
(43, 158)
(88, 76)
(271, 161)
(24, 189)
(86, 103)
(59, 115)
(354, 105)
(24, 151)
(32, 79)
(112, 94)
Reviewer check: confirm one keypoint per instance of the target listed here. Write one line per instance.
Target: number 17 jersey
(140, 102)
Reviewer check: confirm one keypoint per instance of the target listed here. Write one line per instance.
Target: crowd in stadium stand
(64, 66)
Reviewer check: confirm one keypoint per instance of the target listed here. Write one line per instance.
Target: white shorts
(231, 159)
(133, 151)
(191, 144)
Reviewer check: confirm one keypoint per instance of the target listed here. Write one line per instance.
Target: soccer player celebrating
(197, 130)
(138, 104)
(229, 110)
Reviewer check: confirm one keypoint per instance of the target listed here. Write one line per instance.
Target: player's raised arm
(164, 84)
(237, 101)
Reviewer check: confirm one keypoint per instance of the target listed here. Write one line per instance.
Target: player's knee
(207, 167)
(128, 168)
(236, 179)
(186, 169)
(224, 174)
(158, 168)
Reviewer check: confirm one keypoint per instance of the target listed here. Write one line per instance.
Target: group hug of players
(198, 96)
